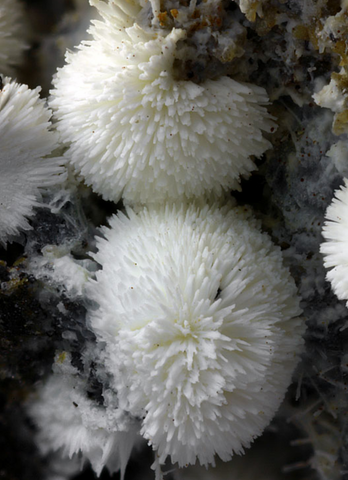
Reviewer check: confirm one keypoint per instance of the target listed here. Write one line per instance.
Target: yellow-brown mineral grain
(340, 123)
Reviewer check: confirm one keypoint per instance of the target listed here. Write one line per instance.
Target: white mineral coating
(331, 96)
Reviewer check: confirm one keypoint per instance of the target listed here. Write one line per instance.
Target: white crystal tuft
(69, 422)
(136, 131)
(25, 139)
(335, 248)
(200, 322)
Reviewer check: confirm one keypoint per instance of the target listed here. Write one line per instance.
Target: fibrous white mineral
(200, 324)
(25, 141)
(57, 267)
(12, 43)
(69, 422)
(335, 248)
(136, 131)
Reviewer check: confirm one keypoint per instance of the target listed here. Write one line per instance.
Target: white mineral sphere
(200, 324)
(136, 131)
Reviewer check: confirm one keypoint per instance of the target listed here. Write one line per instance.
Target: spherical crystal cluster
(12, 43)
(335, 248)
(200, 322)
(25, 141)
(137, 132)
